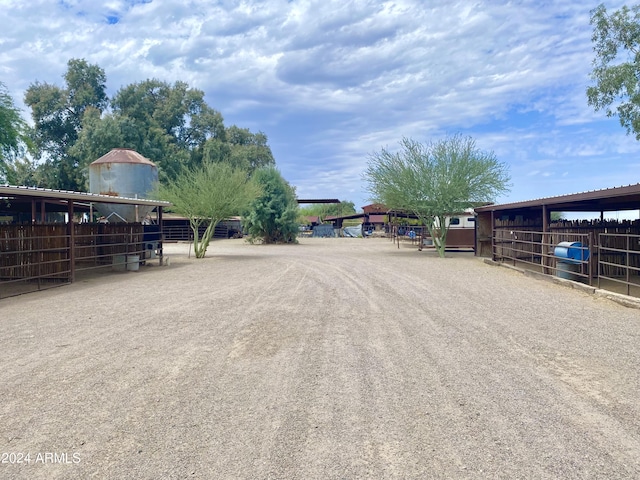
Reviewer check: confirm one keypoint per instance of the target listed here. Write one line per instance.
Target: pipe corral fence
(603, 252)
(40, 256)
(606, 260)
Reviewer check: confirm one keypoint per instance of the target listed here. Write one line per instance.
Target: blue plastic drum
(572, 252)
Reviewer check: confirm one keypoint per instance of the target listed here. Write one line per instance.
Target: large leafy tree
(206, 195)
(241, 148)
(273, 216)
(175, 123)
(58, 115)
(12, 135)
(178, 110)
(616, 67)
(435, 180)
(248, 150)
(168, 123)
(101, 133)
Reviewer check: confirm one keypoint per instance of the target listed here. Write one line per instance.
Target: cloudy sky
(330, 82)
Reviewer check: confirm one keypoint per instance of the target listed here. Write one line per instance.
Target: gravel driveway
(335, 358)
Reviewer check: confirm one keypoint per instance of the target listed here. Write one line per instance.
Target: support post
(71, 235)
(493, 236)
(546, 261)
(628, 266)
(592, 255)
(160, 235)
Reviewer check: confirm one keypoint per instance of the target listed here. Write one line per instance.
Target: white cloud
(360, 73)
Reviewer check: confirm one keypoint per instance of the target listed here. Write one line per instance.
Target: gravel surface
(335, 358)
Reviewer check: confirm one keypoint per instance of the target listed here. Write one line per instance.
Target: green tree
(24, 172)
(58, 114)
(435, 180)
(206, 195)
(170, 124)
(181, 112)
(323, 210)
(616, 67)
(248, 150)
(174, 121)
(272, 217)
(13, 139)
(101, 133)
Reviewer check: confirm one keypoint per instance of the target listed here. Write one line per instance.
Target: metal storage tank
(123, 172)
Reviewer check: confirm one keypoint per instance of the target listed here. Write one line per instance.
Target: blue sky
(330, 82)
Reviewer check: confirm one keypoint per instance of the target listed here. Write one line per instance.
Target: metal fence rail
(38, 256)
(176, 233)
(619, 259)
(102, 246)
(535, 248)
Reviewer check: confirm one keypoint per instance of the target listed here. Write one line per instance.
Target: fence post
(628, 264)
(546, 259)
(598, 263)
(591, 263)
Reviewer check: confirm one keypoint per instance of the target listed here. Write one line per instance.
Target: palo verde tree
(616, 67)
(273, 216)
(435, 180)
(206, 195)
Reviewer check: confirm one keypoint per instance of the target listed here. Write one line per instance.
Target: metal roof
(15, 191)
(607, 199)
(330, 218)
(318, 200)
(123, 155)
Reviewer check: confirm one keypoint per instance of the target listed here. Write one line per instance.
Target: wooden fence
(37, 256)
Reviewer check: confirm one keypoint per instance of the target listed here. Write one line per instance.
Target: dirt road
(335, 358)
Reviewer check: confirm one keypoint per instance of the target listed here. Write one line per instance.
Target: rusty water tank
(123, 172)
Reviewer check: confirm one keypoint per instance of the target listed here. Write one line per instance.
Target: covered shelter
(47, 236)
(317, 200)
(594, 251)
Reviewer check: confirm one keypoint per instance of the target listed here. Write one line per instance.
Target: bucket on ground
(133, 263)
(568, 271)
(119, 263)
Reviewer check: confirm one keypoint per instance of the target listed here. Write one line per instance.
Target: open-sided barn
(599, 252)
(46, 238)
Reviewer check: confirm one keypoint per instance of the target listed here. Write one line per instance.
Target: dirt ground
(335, 358)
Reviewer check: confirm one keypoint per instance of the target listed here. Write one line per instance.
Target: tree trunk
(201, 249)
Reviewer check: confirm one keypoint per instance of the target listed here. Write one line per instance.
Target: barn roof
(12, 191)
(317, 200)
(607, 199)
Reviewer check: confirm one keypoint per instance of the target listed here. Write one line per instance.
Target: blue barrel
(571, 252)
